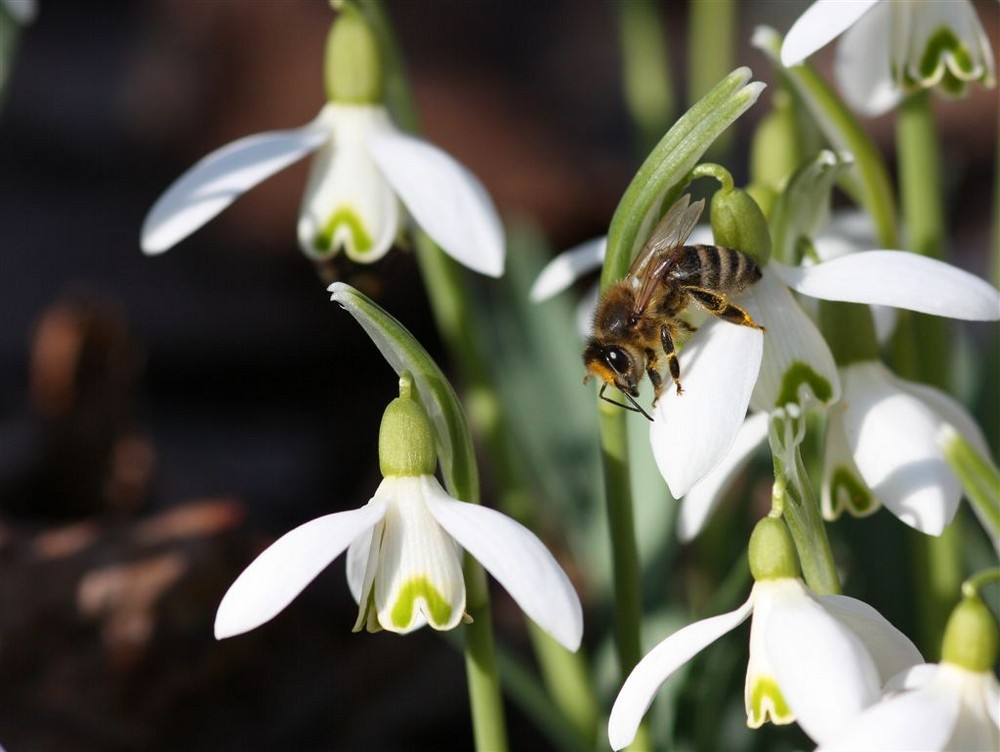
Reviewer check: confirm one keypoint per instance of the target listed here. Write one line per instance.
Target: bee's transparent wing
(663, 248)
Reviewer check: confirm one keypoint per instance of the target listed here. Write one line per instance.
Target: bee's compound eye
(617, 359)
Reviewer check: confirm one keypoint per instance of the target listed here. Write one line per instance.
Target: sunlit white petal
(220, 178)
(844, 488)
(892, 438)
(921, 719)
(821, 23)
(284, 569)
(900, 279)
(863, 64)
(444, 198)
(692, 432)
(516, 559)
(567, 267)
(706, 493)
(824, 686)
(347, 204)
(656, 667)
(949, 409)
(419, 578)
(891, 650)
(796, 357)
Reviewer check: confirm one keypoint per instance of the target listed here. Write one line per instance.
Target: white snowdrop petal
(357, 559)
(922, 719)
(568, 267)
(892, 438)
(220, 178)
(347, 204)
(821, 23)
(824, 671)
(692, 432)
(703, 497)
(899, 279)
(949, 409)
(863, 65)
(891, 650)
(844, 488)
(288, 565)
(516, 559)
(644, 681)
(444, 198)
(796, 358)
(419, 578)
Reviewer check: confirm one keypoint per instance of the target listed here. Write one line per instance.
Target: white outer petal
(824, 671)
(444, 198)
(343, 177)
(357, 559)
(568, 267)
(693, 432)
(288, 565)
(791, 338)
(642, 683)
(976, 726)
(517, 560)
(892, 437)
(706, 493)
(220, 178)
(949, 409)
(863, 64)
(918, 720)
(900, 279)
(891, 650)
(821, 23)
(416, 547)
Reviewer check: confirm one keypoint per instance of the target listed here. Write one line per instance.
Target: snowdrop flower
(22, 11)
(404, 551)
(892, 47)
(818, 660)
(954, 705)
(367, 177)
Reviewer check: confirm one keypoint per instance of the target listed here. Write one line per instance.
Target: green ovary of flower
(857, 500)
(766, 700)
(343, 217)
(439, 610)
(800, 374)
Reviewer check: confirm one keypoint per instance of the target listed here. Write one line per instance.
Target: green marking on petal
(800, 374)
(941, 43)
(343, 217)
(850, 494)
(420, 587)
(767, 702)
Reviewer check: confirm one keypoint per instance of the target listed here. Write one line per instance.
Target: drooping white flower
(891, 47)
(817, 660)
(404, 564)
(366, 179)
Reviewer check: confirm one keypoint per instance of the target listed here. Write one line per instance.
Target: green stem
(938, 574)
(646, 84)
(972, 586)
(710, 52)
(979, 478)
(485, 701)
(568, 684)
(794, 498)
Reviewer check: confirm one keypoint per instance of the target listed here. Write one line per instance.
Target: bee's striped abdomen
(714, 268)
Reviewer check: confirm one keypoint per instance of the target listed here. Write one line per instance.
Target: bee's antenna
(635, 407)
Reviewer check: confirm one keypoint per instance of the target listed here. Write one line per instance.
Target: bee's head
(613, 364)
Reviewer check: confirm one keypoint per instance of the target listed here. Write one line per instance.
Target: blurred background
(163, 419)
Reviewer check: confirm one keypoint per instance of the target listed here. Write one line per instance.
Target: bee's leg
(682, 324)
(719, 306)
(672, 363)
(653, 371)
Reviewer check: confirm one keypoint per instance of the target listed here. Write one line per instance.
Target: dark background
(163, 418)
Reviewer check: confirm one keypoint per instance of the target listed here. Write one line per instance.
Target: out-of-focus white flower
(818, 660)
(22, 11)
(364, 174)
(892, 47)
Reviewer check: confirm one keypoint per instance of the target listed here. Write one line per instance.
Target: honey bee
(638, 318)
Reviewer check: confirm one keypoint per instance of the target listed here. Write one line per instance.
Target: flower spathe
(404, 564)
(891, 47)
(813, 659)
(366, 179)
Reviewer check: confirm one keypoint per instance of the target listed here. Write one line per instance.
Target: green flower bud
(970, 639)
(353, 64)
(772, 553)
(406, 437)
(738, 223)
(764, 195)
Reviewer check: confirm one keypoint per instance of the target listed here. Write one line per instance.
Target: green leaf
(405, 353)
(978, 475)
(660, 177)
